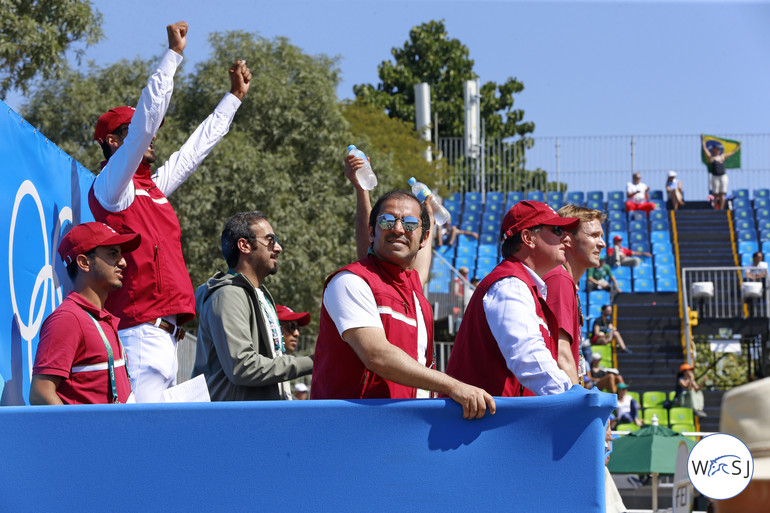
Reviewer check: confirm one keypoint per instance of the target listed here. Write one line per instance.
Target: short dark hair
(236, 228)
(512, 244)
(72, 268)
(606, 306)
(401, 194)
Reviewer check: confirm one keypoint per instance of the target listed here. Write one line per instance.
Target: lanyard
(110, 359)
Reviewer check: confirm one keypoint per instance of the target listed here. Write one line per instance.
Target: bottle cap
(411, 181)
(351, 147)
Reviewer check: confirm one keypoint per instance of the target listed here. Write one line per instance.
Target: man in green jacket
(240, 348)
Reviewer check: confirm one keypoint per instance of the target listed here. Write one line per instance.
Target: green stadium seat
(681, 415)
(653, 399)
(662, 414)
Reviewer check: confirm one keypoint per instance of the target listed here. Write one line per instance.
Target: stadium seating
(622, 272)
(536, 196)
(665, 258)
(595, 196)
(658, 215)
(666, 284)
(643, 285)
(661, 413)
(513, 197)
(641, 246)
(626, 426)
(495, 197)
(761, 193)
(615, 205)
(681, 415)
(763, 213)
(616, 196)
(659, 225)
(741, 193)
(653, 399)
(595, 204)
(656, 194)
(487, 250)
(488, 238)
(605, 351)
(741, 203)
(685, 428)
(748, 246)
(576, 197)
(472, 197)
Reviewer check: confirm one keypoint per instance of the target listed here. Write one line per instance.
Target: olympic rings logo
(29, 324)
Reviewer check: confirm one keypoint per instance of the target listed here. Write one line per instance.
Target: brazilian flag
(727, 146)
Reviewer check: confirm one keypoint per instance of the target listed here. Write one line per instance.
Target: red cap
(111, 120)
(287, 314)
(617, 238)
(85, 237)
(528, 214)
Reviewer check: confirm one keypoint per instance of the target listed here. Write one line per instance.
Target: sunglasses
(557, 230)
(388, 221)
(272, 240)
(290, 327)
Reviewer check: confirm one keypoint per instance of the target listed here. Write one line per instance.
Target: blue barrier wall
(44, 192)
(542, 454)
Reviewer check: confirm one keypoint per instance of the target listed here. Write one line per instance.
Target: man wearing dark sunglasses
(240, 350)
(291, 322)
(157, 296)
(376, 331)
(508, 341)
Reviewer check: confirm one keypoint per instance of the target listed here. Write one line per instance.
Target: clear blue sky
(589, 68)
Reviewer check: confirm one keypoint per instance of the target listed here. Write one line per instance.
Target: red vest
(155, 280)
(337, 372)
(562, 299)
(476, 358)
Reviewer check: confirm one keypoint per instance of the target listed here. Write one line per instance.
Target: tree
(431, 56)
(36, 35)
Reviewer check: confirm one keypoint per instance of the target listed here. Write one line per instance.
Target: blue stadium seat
(666, 284)
(471, 217)
(659, 225)
(763, 213)
(664, 258)
(638, 237)
(659, 204)
(743, 213)
(741, 193)
(622, 272)
(746, 235)
(471, 226)
(595, 204)
(453, 208)
(598, 297)
(556, 196)
(643, 271)
(611, 235)
(665, 271)
(761, 203)
(761, 193)
(763, 224)
(582, 286)
(466, 250)
(494, 208)
(748, 246)
(764, 235)
(490, 227)
(472, 208)
(536, 196)
(513, 197)
(556, 205)
(741, 203)
(594, 310)
(472, 197)
(617, 226)
(615, 205)
(495, 197)
(745, 224)
(465, 261)
(658, 215)
(624, 284)
(765, 246)
(582, 296)
(641, 246)
(482, 273)
(489, 238)
(486, 262)
(447, 252)
(643, 285)
(637, 215)
(595, 196)
(465, 241)
(662, 247)
(637, 225)
(657, 194)
(615, 215)
(487, 250)
(576, 197)
(492, 217)
(746, 258)
(616, 196)
(660, 236)
(455, 197)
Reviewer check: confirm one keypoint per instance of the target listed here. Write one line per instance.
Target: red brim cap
(112, 119)
(528, 214)
(84, 237)
(287, 314)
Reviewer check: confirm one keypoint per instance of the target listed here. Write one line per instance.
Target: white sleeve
(184, 162)
(512, 318)
(350, 303)
(113, 187)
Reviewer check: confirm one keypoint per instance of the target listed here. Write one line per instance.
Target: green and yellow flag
(727, 146)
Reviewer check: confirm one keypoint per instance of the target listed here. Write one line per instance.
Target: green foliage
(394, 147)
(36, 35)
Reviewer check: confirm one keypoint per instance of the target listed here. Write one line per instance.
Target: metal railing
(728, 299)
(601, 163)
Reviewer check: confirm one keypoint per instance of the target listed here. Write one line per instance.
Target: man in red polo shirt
(79, 358)
(508, 341)
(128, 195)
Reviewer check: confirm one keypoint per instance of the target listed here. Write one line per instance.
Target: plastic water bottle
(440, 214)
(365, 175)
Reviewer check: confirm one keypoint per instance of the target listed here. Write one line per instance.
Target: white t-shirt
(350, 303)
(638, 190)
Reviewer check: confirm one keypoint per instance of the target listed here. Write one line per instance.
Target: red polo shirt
(69, 339)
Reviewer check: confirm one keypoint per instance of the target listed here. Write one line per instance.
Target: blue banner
(44, 192)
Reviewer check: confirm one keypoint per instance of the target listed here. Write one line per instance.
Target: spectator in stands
(638, 195)
(603, 378)
(716, 157)
(674, 190)
(746, 415)
(688, 389)
(601, 278)
(291, 322)
(301, 391)
(628, 408)
(448, 233)
(758, 270)
(474, 283)
(603, 332)
(618, 255)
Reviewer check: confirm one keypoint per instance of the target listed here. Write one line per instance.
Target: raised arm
(363, 205)
(728, 155)
(425, 254)
(705, 148)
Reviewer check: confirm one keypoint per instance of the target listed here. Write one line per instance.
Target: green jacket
(234, 345)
